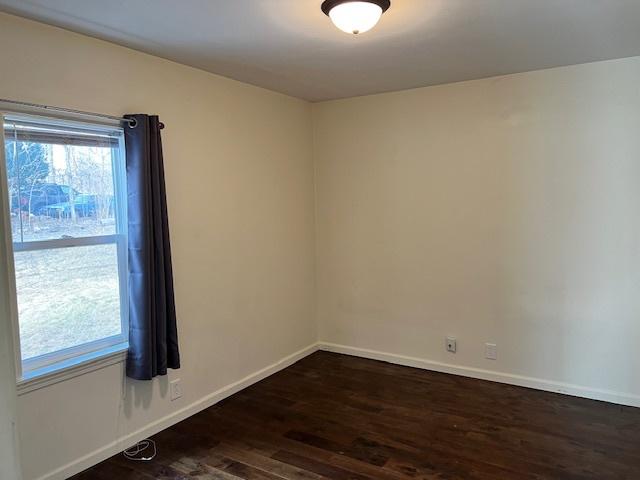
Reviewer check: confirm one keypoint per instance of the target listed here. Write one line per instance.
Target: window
(65, 183)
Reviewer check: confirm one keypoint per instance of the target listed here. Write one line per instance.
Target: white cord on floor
(134, 452)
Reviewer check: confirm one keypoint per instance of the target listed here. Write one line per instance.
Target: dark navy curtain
(153, 336)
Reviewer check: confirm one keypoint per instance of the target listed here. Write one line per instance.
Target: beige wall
(240, 192)
(503, 210)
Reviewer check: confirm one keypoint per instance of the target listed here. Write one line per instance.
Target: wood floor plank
(264, 463)
(321, 468)
(339, 417)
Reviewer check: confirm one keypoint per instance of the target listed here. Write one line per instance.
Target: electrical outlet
(452, 344)
(491, 351)
(176, 389)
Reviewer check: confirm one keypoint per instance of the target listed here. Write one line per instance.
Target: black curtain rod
(130, 121)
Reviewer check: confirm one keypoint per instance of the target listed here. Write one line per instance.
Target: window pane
(67, 297)
(59, 190)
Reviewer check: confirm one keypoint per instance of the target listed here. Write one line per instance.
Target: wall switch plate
(175, 388)
(451, 344)
(491, 351)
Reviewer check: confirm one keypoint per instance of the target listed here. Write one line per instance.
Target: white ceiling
(290, 46)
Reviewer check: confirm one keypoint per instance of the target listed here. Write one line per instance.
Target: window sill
(74, 367)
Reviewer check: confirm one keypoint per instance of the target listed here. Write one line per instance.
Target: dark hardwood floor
(338, 417)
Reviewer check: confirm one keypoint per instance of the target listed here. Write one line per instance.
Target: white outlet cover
(175, 389)
(451, 344)
(491, 351)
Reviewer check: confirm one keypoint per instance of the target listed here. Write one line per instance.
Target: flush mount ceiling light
(355, 16)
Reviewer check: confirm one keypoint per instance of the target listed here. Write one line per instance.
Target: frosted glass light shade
(355, 17)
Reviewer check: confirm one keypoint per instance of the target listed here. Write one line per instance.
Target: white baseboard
(519, 380)
(115, 447)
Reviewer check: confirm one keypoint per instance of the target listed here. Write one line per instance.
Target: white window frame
(99, 352)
